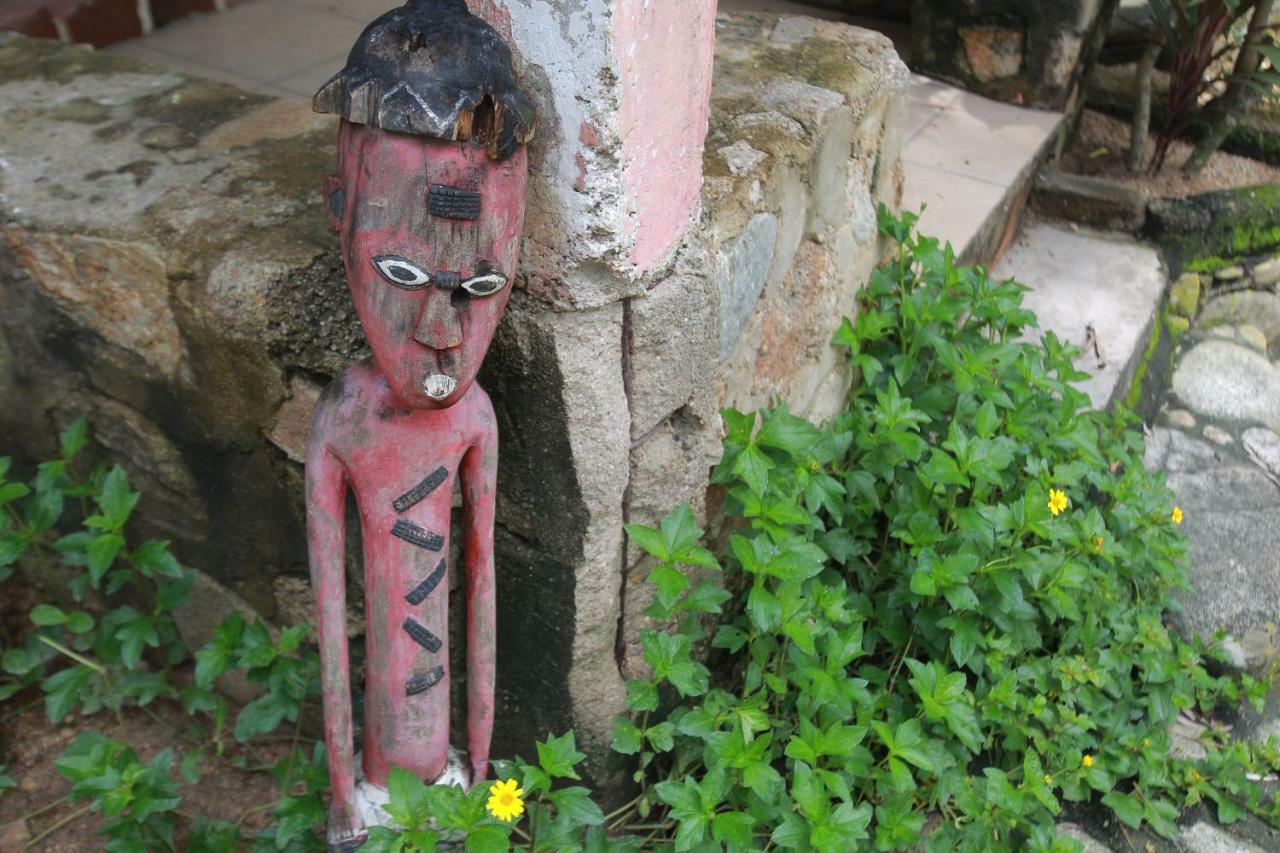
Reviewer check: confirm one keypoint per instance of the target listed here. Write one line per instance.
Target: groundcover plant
(934, 619)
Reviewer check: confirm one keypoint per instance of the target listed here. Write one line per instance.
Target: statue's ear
(334, 201)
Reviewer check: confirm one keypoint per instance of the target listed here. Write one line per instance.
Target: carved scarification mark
(425, 681)
(419, 593)
(427, 486)
(453, 202)
(421, 635)
(415, 535)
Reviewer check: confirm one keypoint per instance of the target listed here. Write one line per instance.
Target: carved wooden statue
(428, 203)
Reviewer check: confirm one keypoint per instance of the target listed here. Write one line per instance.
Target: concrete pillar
(622, 89)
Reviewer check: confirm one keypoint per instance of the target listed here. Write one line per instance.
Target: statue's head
(428, 201)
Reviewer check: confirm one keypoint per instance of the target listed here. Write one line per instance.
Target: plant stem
(51, 830)
(74, 655)
(34, 814)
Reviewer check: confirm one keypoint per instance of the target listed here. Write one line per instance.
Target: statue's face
(430, 235)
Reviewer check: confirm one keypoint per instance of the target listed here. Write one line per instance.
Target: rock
(1207, 838)
(1171, 450)
(1178, 326)
(1218, 435)
(672, 348)
(1219, 379)
(14, 836)
(1093, 202)
(1224, 332)
(748, 264)
(1184, 295)
(741, 158)
(292, 423)
(1251, 336)
(1231, 273)
(210, 603)
(1245, 306)
(992, 53)
(1229, 513)
(1088, 843)
(1180, 418)
(1263, 447)
(1267, 273)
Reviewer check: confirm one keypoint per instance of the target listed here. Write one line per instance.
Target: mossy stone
(1184, 296)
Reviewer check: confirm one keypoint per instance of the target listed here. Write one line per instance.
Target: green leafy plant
(948, 611)
(106, 654)
(137, 798)
(556, 817)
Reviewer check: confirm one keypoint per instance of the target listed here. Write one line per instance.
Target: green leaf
(1128, 808)
(642, 695)
(733, 828)
(488, 838)
(626, 736)
(47, 614)
(670, 582)
(72, 439)
(557, 756)
(102, 553)
(116, 500)
(787, 432)
(575, 804)
(261, 716)
(648, 539)
(752, 467)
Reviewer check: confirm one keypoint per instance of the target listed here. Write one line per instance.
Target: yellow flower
(1176, 515)
(1057, 501)
(1097, 544)
(1195, 775)
(815, 467)
(1048, 780)
(504, 800)
(1087, 761)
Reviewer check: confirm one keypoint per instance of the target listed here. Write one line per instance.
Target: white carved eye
(401, 273)
(484, 285)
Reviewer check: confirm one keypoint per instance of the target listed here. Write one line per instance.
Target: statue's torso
(402, 465)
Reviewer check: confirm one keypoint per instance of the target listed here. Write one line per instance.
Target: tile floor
(962, 153)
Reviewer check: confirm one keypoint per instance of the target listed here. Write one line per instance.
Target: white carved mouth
(438, 386)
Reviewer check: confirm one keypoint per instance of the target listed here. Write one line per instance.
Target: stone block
(1184, 295)
(748, 261)
(671, 466)
(292, 422)
(992, 53)
(1089, 201)
(1254, 307)
(671, 348)
(1267, 273)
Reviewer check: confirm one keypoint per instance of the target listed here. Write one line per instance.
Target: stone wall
(1026, 51)
(167, 270)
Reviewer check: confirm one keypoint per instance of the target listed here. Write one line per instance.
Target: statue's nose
(439, 327)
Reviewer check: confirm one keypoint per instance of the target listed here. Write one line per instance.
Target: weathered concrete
(1081, 279)
(1089, 201)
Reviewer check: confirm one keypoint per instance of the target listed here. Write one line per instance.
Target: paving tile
(957, 205)
(263, 40)
(308, 80)
(357, 10)
(918, 118)
(141, 49)
(977, 137)
(931, 93)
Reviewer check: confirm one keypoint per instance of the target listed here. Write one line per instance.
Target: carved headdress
(431, 68)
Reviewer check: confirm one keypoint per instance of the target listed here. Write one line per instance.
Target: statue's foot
(348, 845)
(371, 801)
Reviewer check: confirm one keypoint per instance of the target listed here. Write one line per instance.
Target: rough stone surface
(1229, 510)
(1267, 273)
(1231, 273)
(1245, 306)
(1204, 837)
(292, 422)
(746, 267)
(1263, 447)
(1184, 294)
(1252, 336)
(1180, 418)
(1217, 435)
(1089, 201)
(1088, 843)
(1221, 379)
(992, 53)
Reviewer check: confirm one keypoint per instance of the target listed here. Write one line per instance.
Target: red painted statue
(428, 204)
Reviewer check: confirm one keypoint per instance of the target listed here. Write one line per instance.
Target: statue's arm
(326, 497)
(479, 484)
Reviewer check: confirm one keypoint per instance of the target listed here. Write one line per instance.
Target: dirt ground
(29, 744)
(1102, 144)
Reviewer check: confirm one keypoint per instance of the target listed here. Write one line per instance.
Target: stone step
(1101, 292)
(971, 162)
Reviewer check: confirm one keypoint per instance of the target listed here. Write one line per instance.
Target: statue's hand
(345, 832)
